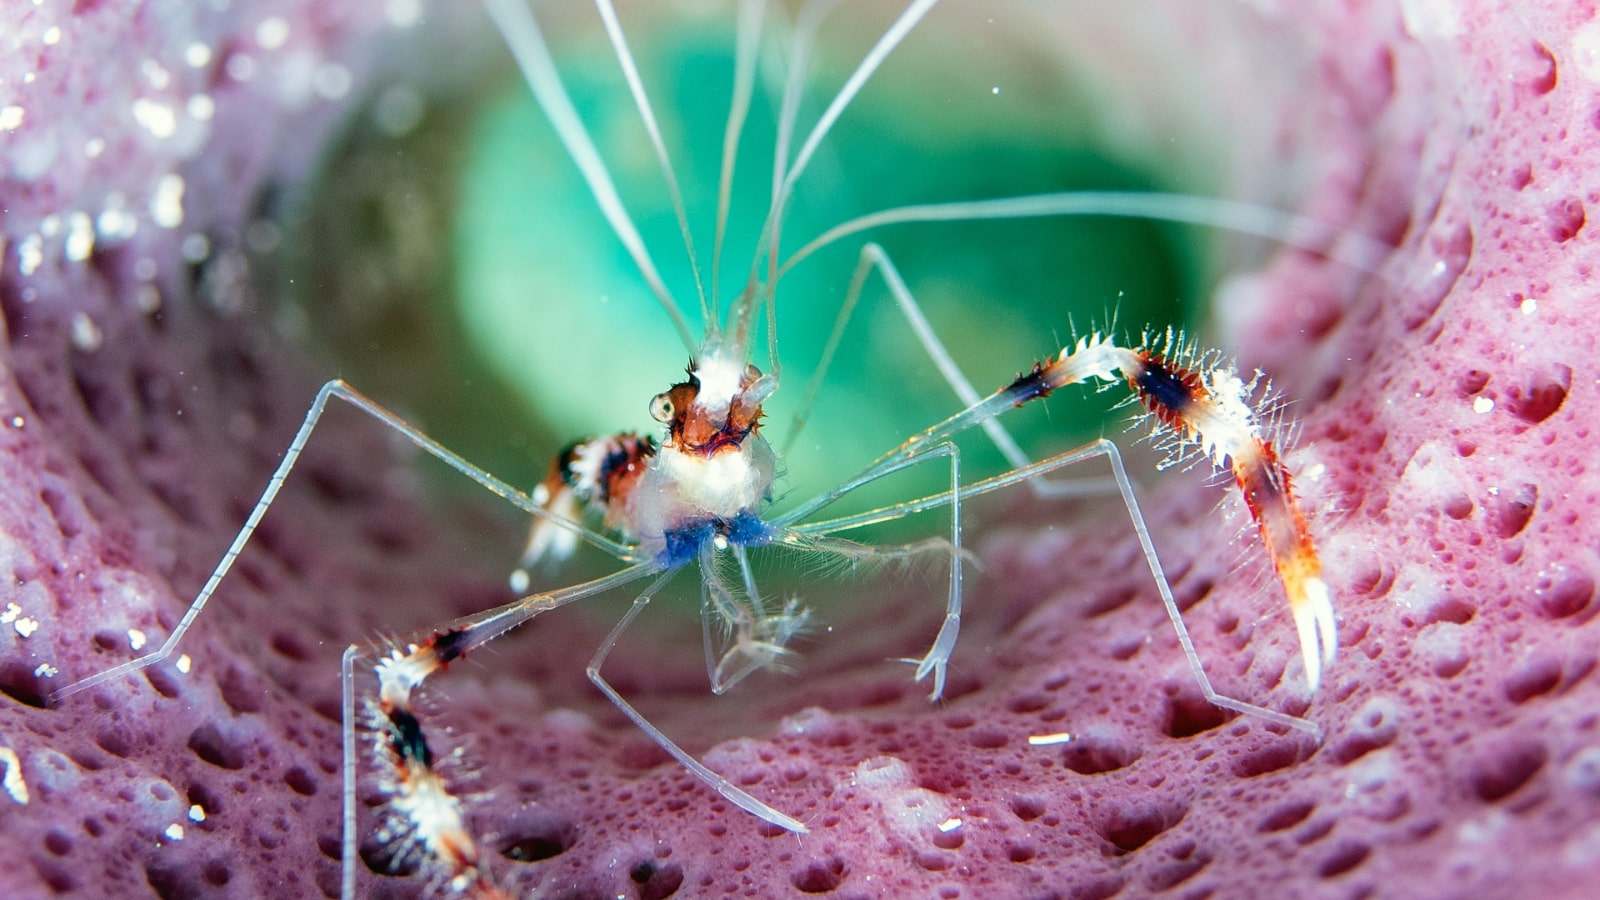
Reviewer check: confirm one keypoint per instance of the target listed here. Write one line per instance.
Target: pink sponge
(1443, 460)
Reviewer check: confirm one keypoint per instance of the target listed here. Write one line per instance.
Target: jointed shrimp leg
(1113, 455)
(764, 635)
(735, 795)
(335, 389)
(874, 258)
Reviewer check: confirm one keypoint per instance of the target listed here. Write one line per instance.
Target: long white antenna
(1358, 251)
(630, 71)
(744, 78)
(805, 32)
(522, 35)
(875, 57)
(785, 175)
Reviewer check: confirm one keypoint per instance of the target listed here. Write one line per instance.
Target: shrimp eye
(661, 408)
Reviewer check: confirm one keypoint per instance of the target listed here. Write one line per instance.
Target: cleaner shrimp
(703, 493)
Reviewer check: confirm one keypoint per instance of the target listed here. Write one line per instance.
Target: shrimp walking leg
(936, 661)
(875, 258)
(335, 389)
(716, 782)
(754, 637)
(1098, 448)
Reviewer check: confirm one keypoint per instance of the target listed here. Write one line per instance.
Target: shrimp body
(706, 480)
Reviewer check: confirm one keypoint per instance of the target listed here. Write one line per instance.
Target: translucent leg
(425, 819)
(1109, 450)
(1105, 448)
(874, 258)
(333, 389)
(630, 71)
(729, 626)
(937, 659)
(721, 785)
(349, 848)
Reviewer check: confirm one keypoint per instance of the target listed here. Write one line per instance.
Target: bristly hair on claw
(423, 820)
(1208, 408)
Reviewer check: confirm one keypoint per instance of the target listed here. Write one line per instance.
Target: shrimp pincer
(1206, 407)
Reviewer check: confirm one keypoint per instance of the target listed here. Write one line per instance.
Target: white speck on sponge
(1585, 53)
(272, 33)
(157, 118)
(910, 812)
(12, 779)
(197, 55)
(166, 205)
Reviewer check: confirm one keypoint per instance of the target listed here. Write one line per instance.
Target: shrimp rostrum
(700, 492)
